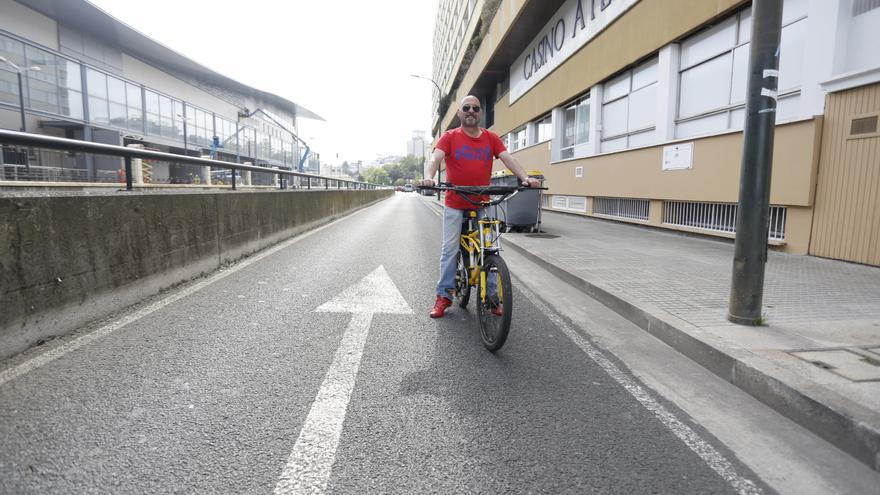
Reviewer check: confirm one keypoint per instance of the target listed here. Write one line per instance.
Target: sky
(349, 61)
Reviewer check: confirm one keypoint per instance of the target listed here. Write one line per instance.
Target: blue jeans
(452, 223)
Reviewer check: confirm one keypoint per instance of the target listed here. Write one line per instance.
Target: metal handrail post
(128, 185)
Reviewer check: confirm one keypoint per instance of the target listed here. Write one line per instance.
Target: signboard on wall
(678, 156)
(570, 28)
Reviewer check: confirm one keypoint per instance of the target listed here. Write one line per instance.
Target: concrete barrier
(68, 260)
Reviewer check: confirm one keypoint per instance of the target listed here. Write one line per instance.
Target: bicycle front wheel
(495, 303)
(462, 288)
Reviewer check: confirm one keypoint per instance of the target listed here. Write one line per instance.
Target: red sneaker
(495, 306)
(440, 306)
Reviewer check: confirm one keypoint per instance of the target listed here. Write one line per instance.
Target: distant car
(408, 188)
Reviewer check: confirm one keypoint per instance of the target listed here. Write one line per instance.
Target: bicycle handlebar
(504, 192)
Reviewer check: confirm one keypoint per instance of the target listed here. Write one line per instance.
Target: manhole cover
(542, 236)
(852, 364)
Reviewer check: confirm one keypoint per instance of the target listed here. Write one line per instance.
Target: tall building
(416, 146)
(101, 80)
(634, 110)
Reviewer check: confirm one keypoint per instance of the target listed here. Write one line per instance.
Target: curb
(849, 426)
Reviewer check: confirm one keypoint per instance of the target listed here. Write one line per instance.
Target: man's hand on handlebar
(531, 182)
(426, 182)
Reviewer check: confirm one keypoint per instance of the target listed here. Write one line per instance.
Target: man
(469, 152)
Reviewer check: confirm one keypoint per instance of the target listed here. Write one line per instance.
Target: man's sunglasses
(468, 108)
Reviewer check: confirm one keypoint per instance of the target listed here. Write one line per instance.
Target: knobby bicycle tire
(494, 329)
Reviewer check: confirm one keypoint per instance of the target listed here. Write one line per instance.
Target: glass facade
(200, 126)
(115, 103)
(55, 88)
(164, 116)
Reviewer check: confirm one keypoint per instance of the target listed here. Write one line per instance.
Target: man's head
(469, 112)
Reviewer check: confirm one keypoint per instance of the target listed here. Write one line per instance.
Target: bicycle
(480, 265)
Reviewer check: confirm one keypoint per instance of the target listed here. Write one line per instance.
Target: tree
(412, 167)
(376, 175)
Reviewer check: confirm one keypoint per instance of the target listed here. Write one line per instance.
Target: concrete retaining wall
(69, 260)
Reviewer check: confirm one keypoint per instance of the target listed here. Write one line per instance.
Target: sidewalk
(677, 288)
(817, 360)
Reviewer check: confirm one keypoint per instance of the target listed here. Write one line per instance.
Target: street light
(18, 71)
(439, 97)
(439, 91)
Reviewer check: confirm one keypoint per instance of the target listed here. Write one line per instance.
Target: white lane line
(309, 465)
(707, 453)
(48, 356)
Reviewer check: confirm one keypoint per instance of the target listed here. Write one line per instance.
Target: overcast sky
(349, 61)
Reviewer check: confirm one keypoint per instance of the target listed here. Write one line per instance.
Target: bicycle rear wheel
(462, 289)
(494, 311)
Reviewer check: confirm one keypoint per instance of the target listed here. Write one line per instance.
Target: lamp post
(439, 97)
(439, 91)
(18, 71)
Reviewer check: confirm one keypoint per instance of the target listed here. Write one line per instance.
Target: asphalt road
(215, 392)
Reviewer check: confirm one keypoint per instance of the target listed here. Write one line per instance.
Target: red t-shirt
(468, 162)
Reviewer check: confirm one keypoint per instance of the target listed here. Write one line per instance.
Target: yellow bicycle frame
(476, 242)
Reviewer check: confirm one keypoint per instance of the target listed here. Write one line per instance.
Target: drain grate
(542, 236)
(853, 363)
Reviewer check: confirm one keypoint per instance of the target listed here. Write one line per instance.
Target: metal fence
(37, 157)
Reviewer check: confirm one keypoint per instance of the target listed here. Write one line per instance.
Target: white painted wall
(163, 82)
(863, 43)
(27, 23)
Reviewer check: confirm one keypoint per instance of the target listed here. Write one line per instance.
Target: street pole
(750, 247)
(21, 102)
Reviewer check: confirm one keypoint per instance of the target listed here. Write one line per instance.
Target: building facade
(634, 111)
(86, 75)
(416, 145)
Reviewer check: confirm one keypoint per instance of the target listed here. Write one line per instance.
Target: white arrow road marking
(309, 465)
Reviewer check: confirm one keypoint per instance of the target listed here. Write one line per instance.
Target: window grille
(559, 202)
(635, 209)
(717, 217)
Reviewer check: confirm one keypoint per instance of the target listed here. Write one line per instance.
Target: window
(55, 88)
(164, 116)
(247, 142)
(518, 139)
(714, 72)
(226, 134)
(200, 126)
(575, 126)
(629, 108)
(114, 102)
(544, 129)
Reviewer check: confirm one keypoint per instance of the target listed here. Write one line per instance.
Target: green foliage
(409, 169)
(376, 175)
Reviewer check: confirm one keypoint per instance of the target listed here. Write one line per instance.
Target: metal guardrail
(42, 141)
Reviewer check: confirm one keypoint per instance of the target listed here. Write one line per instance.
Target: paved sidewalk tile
(689, 277)
(678, 287)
